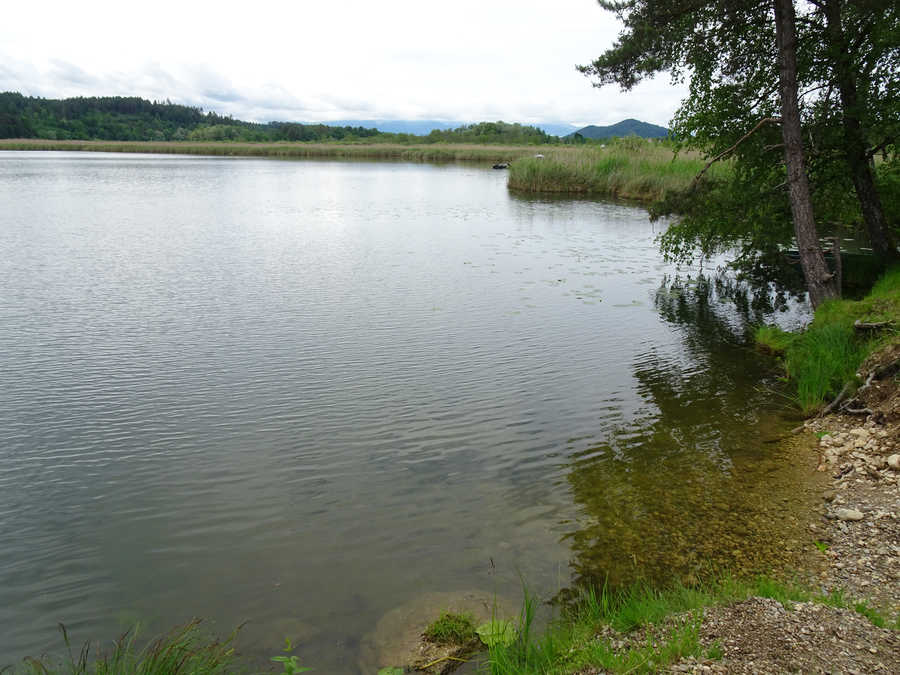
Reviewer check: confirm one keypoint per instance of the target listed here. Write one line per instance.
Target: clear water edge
(308, 391)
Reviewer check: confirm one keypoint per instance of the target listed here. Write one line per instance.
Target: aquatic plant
(451, 629)
(290, 664)
(497, 632)
(184, 650)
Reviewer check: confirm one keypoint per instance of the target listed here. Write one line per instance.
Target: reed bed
(629, 168)
(432, 152)
(625, 169)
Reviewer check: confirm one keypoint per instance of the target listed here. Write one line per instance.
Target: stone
(397, 637)
(894, 462)
(849, 514)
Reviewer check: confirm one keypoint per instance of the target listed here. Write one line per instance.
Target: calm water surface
(302, 393)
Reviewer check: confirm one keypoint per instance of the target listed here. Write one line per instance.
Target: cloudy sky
(467, 60)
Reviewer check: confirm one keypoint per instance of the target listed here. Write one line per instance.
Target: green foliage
(290, 664)
(827, 355)
(822, 361)
(497, 632)
(182, 651)
(578, 640)
(134, 119)
(492, 132)
(451, 629)
(715, 652)
(773, 339)
(390, 670)
(628, 168)
(724, 51)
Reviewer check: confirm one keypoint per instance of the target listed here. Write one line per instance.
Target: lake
(301, 393)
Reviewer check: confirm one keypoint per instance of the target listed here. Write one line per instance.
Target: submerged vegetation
(825, 357)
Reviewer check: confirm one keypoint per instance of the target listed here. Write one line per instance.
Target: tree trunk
(819, 282)
(854, 140)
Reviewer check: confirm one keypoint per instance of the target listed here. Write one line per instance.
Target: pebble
(849, 514)
(894, 462)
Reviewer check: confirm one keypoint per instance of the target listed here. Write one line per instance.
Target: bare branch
(834, 404)
(861, 325)
(816, 88)
(724, 153)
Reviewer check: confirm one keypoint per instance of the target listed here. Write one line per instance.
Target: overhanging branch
(725, 153)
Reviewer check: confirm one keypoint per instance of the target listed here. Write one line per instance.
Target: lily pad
(496, 632)
(391, 670)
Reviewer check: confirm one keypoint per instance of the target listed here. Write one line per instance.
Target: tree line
(119, 118)
(803, 98)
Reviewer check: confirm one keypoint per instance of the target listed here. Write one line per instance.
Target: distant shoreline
(631, 168)
(429, 152)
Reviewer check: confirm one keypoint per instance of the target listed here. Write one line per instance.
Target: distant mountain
(627, 127)
(425, 127)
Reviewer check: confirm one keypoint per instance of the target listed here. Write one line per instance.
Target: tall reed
(623, 169)
(432, 152)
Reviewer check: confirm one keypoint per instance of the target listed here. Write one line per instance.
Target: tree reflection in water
(696, 482)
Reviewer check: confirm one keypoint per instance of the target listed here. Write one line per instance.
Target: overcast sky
(468, 60)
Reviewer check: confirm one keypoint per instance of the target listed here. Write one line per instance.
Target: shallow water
(300, 394)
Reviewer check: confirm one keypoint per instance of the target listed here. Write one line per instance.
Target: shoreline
(422, 152)
(632, 169)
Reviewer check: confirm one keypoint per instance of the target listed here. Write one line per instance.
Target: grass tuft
(451, 629)
(827, 355)
(658, 627)
(183, 651)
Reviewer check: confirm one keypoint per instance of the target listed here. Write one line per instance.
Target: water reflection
(694, 483)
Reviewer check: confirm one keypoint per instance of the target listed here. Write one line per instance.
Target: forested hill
(629, 127)
(118, 118)
(121, 118)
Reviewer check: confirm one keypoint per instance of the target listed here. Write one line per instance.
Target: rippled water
(301, 393)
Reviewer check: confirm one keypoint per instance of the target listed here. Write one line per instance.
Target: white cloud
(468, 60)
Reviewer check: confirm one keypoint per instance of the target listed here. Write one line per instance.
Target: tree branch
(878, 148)
(728, 151)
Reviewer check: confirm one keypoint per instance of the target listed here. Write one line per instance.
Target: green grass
(182, 651)
(627, 168)
(661, 626)
(827, 355)
(451, 629)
